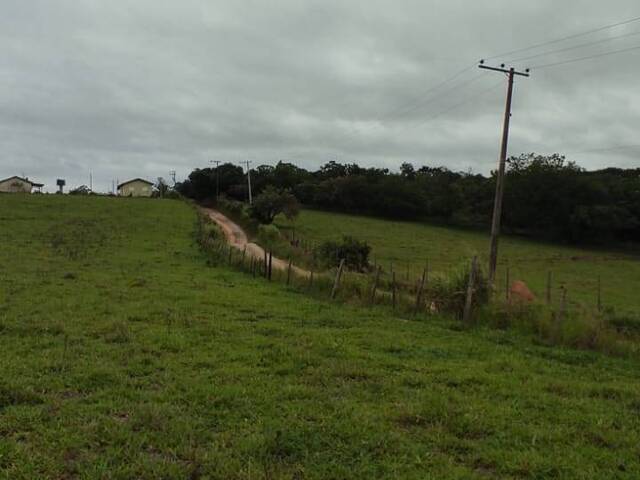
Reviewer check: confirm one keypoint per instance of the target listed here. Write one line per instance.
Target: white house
(17, 184)
(137, 187)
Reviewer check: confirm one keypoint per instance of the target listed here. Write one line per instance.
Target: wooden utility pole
(217, 162)
(497, 204)
(248, 164)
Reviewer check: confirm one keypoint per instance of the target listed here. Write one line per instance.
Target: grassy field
(408, 245)
(125, 356)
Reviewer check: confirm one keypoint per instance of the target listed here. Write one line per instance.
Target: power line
(414, 124)
(469, 99)
(430, 90)
(582, 45)
(569, 37)
(421, 100)
(424, 103)
(604, 149)
(589, 57)
(429, 101)
(577, 152)
(608, 149)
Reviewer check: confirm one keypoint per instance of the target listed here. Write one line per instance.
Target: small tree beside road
(271, 203)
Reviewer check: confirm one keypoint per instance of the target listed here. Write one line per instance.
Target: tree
(201, 183)
(407, 171)
(272, 202)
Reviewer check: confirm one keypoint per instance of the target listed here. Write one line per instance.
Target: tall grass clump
(448, 293)
(579, 327)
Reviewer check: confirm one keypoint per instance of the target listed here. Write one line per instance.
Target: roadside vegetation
(129, 352)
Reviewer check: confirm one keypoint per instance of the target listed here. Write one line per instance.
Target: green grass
(124, 356)
(409, 245)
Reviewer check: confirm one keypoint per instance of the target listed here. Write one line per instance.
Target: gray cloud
(138, 88)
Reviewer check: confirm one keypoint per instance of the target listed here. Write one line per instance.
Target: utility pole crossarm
(504, 70)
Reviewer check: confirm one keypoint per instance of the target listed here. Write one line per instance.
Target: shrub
(353, 251)
(230, 206)
(268, 235)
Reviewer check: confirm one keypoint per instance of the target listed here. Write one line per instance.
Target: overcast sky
(137, 88)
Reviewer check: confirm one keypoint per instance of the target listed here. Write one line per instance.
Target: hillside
(411, 244)
(125, 356)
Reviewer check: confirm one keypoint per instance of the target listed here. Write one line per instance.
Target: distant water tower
(61, 183)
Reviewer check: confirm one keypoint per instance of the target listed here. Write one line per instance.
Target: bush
(353, 251)
(232, 207)
(268, 235)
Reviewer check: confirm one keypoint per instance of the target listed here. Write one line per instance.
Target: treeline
(545, 196)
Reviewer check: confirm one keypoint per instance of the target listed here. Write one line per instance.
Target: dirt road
(237, 238)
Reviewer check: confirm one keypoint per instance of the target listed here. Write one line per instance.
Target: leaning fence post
(289, 272)
(336, 282)
(420, 289)
(375, 285)
(468, 304)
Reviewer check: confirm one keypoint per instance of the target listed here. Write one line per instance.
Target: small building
(17, 184)
(137, 187)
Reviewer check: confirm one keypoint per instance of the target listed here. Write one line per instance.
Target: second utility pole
(248, 163)
(217, 162)
(497, 203)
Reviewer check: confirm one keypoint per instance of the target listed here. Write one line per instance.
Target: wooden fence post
(549, 288)
(266, 265)
(244, 254)
(336, 282)
(420, 289)
(563, 308)
(393, 289)
(599, 302)
(310, 280)
(375, 285)
(253, 266)
(270, 264)
(289, 273)
(468, 304)
(230, 253)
